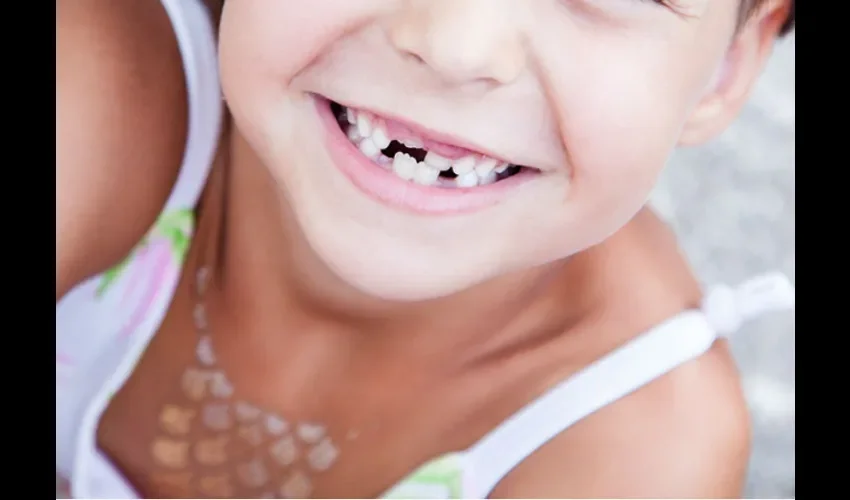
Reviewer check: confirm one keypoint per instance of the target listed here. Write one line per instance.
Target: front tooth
(437, 161)
(353, 134)
(411, 143)
(364, 125)
(486, 166)
(467, 180)
(369, 149)
(350, 116)
(404, 166)
(379, 137)
(425, 175)
(464, 165)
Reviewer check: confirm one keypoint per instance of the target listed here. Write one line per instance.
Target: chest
(177, 430)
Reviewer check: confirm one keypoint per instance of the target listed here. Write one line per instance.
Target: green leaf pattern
(443, 474)
(176, 226)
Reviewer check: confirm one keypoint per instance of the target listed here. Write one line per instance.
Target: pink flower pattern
(154, 268)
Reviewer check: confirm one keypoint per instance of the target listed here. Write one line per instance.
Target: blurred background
(732, 205)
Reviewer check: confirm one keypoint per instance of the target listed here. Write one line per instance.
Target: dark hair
(748, 6)
(789, 23)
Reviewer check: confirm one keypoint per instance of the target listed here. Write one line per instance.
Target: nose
(462, 41)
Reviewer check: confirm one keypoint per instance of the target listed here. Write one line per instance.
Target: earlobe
(735, 77)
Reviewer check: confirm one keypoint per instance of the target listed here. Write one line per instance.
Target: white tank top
(104, 325)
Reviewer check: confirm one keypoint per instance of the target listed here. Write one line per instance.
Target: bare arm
(684, 436)
(120, 129)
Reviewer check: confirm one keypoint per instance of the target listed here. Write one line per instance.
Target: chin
(399, 280)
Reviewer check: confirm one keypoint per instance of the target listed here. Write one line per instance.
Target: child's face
(591, 95)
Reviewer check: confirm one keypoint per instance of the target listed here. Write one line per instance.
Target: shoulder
(685, 435)
(121, 119)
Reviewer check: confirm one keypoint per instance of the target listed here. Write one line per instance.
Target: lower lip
(385, 187)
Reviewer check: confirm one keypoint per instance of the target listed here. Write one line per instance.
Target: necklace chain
(301, 448)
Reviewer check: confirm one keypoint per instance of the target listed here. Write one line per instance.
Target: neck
(270, 276)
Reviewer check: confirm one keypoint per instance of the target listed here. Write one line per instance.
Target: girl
(413, 259)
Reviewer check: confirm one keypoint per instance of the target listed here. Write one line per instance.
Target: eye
(676, 6)
(684, 9)
(665, 3)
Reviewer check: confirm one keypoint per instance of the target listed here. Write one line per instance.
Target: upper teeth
(364, 125)
(464, 165)
(437, 161)
(379, 137)
(371, 137)
(404, 166)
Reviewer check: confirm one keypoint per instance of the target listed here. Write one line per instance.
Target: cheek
(262, 48)
(264, 41)
(620, 107)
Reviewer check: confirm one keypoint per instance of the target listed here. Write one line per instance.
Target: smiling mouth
(418, 159)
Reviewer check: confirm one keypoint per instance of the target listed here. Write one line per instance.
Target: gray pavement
(732, 204)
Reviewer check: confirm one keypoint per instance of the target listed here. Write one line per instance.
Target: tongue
(399, 132)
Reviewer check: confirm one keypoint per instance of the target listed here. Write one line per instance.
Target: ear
(739, 71)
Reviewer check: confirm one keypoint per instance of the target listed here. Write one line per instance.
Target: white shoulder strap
(642, 360)
(196, 39)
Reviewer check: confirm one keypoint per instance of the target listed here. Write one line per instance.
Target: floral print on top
(173, 230)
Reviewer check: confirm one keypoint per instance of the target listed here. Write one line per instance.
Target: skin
(594, 93)
(120, 130)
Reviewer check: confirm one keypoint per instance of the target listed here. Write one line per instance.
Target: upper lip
(430, 134)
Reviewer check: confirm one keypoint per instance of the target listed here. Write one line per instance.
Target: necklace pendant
(323, 455)
(199, 315)
(170, 453)
(311, 433)
(202, 279)
(275, 425)
(194, 384)
(297, 486)
(246, 412)
(204, 351)
(253, 474)
(216, 416)
(175, 420)
(220, 387)
(284, 451)
(212, 451)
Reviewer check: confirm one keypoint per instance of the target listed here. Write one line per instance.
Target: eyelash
(673, 5)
